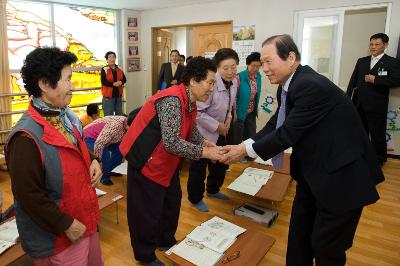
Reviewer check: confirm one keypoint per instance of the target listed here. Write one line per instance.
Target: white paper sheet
(216, 234)
(261, 161)
(196, 253)
(100, 192)
(121, 169)
(4, 245)
(251, 180)
(8, 235)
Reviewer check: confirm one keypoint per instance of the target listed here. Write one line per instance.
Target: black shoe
(107, 182)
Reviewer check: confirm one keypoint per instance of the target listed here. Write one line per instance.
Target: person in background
(369, 86)
(248, 96)
(213, 120)
(333, 162)
(188, 59)
(182, 59)
(112, 85)
(103, 137)
(56, 207)
(170, 73)
(161, 135)
(92, 113)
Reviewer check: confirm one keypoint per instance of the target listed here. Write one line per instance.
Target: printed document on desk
(8, 235)
(196, 253)
(216, 234)
(251, 180)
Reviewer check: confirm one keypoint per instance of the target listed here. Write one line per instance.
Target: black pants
(153, 214)
(247, 128)
(314, 232)
(197, 175)
(375, 125)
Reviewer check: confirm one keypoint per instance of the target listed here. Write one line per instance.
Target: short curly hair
(92, 109)
(108, 53)
(225, 53)
(198, 68)
(44, 64)
(253, 57)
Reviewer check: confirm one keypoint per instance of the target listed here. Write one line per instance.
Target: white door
(319, 38)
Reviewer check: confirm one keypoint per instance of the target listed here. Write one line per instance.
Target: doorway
(190, 40)
(331, 40)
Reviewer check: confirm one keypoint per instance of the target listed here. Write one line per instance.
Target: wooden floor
(377, 240)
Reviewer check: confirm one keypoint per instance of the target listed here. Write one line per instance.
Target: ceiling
(133, 4)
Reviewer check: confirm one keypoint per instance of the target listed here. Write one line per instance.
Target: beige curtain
(5, 88)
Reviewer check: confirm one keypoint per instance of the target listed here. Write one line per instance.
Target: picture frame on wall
(132, 22)
(133, 50)
(133, 64)
(133, 36)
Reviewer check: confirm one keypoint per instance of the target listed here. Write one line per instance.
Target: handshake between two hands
(224, 154)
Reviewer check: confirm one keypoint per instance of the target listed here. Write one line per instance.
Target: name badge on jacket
(382, 72)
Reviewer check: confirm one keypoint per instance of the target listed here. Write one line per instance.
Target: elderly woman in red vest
(56, 208)
(162, 134)
(112, 81)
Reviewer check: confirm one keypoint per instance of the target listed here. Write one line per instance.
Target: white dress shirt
(375, 59)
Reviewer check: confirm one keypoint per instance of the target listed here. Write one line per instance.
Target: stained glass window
(87, 32)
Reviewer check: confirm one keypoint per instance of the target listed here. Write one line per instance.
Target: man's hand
(222, 129)
(174, 82)
(369, 78)
(207, 143)
(213, 153)
(233, 153)
(75, 231)
(95, 172)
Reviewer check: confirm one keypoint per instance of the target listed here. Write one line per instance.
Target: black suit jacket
(331, 150)
(374, 97)
(166, 74)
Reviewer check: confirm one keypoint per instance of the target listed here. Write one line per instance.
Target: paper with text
(251, 180)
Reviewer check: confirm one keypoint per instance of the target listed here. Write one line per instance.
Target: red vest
(68, 183)
(159, 165)
(107, 91)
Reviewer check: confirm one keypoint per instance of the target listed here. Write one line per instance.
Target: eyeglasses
(231, 257)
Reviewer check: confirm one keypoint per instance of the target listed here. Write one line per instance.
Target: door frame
(301, 14)
(154, 70)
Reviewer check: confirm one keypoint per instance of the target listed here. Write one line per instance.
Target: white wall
(270, 17)
(180, 40)
(134, 92)
(354, 33)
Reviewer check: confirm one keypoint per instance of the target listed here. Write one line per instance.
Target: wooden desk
(16, 252)
(276, 188)
(12, 254)
(108, 199)
(253, 246)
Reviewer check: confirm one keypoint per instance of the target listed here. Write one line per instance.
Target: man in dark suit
(333, 161)
(171, 73)
(369, 87)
